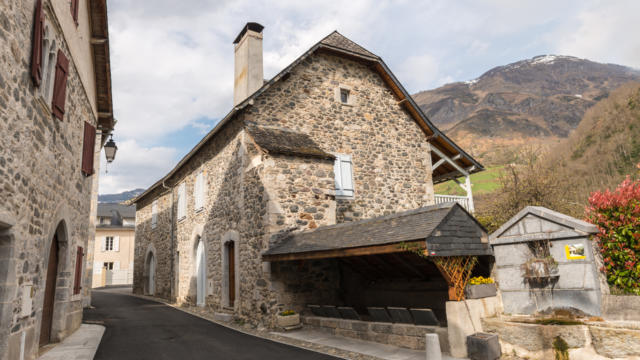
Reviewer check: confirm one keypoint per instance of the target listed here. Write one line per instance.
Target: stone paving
(81, 345)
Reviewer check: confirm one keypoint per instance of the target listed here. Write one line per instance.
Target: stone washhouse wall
(577, 283)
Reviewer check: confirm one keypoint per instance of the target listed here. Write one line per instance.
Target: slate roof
(283, 141)
(126, 211)
(410, 225)
(563, 220)
(337, 40)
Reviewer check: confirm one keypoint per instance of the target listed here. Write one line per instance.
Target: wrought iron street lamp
(110, 149)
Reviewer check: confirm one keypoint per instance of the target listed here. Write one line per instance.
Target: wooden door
(201, 274)
(49, 293)
(232, 274)
(152, 275)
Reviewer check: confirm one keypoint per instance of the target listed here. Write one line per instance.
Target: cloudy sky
(172, 61)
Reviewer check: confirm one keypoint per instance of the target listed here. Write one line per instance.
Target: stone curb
(81, 345)
(344, 354)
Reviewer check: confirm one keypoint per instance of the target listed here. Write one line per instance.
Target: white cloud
(135, 166)
(420, 71)
(605, 32)
(172, 62)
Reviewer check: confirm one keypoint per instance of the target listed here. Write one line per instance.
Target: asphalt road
(141, 329)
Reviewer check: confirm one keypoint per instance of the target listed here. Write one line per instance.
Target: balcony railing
(462, 200)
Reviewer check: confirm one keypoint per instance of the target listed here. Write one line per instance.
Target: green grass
(484, 182)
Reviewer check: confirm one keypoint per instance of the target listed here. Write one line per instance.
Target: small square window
(344, 96)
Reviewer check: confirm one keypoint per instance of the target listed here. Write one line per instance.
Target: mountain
(538, 100)
(118, 198)
(605, 147)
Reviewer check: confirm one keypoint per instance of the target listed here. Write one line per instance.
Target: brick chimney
(248, 62)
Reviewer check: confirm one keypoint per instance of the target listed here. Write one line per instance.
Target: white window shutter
(343, 170)
(116, 265)
(181, 201)
(154, 213)
(198, 190)
(346, 171)
(97, 267)
(104, 244)
(116, 243)
(338, 176)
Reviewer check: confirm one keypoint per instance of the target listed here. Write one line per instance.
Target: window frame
(108, 243)
(351, 98)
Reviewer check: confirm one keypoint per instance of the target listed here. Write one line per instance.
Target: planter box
(480, 291)
(483, 346)
(287, 321)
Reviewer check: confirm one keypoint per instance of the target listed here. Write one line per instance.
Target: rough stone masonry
(43, 193)
(256, 192)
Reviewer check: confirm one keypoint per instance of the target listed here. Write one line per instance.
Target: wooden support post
(456, 270)
(467, 183)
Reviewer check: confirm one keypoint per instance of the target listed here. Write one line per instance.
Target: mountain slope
(118, 198)
(536, 100)
(605, 147)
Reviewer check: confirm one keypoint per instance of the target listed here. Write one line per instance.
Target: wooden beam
(357, 251)
(98, 41)
(448, 159)
(407, 265)
(358, 269)
(435, 166)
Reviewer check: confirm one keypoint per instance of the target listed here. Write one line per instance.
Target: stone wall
(42, 190)
(403, 335)
(621, 307)
(153, 244)
(586, 341)
(390, 153)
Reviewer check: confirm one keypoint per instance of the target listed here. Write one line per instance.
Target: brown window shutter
(36, 51)
(77, 282)
(74, 10)
(60, 86)
(88, 146)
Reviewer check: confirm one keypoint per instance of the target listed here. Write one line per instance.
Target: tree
(617, 216)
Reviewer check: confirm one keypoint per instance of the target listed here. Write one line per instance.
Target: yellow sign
(574, 251)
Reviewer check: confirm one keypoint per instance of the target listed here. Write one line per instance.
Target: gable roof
(125, 211)
(427, 224)
(338, 44)
(565, 222)
(287, 142)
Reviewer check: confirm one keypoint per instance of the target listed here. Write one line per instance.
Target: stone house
(113, 246)
(55, 108)
(256, 218)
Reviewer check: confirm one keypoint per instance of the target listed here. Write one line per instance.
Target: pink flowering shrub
(617, 216)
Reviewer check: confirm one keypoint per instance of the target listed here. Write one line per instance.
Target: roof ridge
(419, 210)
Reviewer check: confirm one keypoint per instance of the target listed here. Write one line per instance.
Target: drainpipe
(173, 290)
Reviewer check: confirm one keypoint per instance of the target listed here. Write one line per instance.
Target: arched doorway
(151, 276)
(201, 273)
(49, 292)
